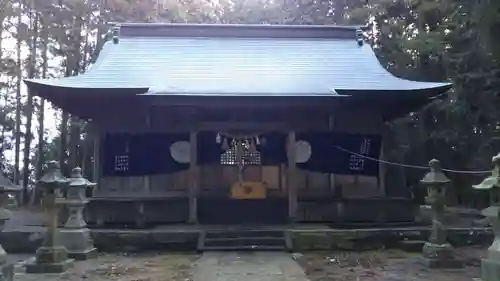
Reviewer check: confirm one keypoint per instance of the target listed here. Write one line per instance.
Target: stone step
(244, 241)
(411, 245)
(244, 248)
(244, 233)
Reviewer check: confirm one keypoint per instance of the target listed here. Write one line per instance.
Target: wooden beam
(242, 126)
(291, 177)
(193, 177)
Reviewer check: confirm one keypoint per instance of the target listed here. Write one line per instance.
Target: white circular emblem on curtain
(181, 151)
(302, 151)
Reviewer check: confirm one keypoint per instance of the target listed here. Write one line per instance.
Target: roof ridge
(162, 24)
(235, 30)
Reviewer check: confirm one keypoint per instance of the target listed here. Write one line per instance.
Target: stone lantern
(75, 235)
(51, 257)
(7, 187)
(437, 252)
(490, 266)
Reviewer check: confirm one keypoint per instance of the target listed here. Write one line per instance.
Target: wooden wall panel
(159, 183)
(211, 177)
(169, 182)
(358, 186)
(318, 181)
(229, 175)
(301, 179)
(180, 180)
(283, 177)
(271, 176)
(252, 173)
(136, 185)
(120, 186)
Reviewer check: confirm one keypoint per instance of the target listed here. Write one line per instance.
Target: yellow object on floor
(249, 190)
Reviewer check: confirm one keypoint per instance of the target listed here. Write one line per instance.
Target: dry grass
(382, 265)
(126, 267)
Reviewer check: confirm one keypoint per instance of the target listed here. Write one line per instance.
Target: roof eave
(43, 87)
(415, 103)
(433, 90)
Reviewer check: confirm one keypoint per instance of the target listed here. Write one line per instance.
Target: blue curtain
(209, 150)
(273, 149)
(326, 157)
(138, 155)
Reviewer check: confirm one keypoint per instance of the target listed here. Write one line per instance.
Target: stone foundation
(185, 238)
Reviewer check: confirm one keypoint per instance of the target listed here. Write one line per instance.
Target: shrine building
(239, 124)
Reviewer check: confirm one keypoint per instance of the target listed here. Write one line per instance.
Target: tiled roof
(309, 61)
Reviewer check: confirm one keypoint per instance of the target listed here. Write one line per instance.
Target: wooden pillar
(332, 176)
(382, 170)
(147, 178)
(291, 177)
(96, 169)
(193, 177)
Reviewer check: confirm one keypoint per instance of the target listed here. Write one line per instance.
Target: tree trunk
(41, 113)
(17, 148)
(5, 97)
(78, 66)
(35, 196)
(29, 108)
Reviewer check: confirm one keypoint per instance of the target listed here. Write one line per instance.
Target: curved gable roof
(250, 60)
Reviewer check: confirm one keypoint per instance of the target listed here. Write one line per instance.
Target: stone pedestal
(75, 235)
(490, 270)
(490, 266)
(51, 257)
(7, 272)
(6, 268)
(439, 256)
(79, 243)
(437, 252)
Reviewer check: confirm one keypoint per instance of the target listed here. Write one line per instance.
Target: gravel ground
(124, 267)
(387, 265)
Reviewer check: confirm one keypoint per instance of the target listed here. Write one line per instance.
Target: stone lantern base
(440, 256)
(78, 243)
(7, 272)
(50, 260)
(490, 270)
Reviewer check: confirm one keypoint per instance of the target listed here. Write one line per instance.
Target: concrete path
(248, 266)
